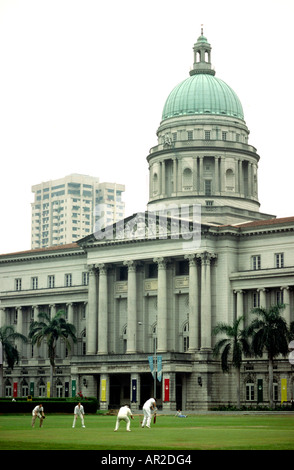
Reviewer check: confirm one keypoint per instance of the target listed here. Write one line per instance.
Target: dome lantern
(202, 56)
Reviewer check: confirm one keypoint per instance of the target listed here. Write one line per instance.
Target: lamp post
(154, 361)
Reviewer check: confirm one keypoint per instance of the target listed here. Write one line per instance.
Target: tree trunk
(238, 386)
(270, 382)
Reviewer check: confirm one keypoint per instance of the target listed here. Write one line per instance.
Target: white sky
(83, 84)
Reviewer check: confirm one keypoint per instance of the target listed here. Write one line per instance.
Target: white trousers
(147, 417)
(75, 418)
(122, 418)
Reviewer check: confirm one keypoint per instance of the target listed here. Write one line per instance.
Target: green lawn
(197, 432)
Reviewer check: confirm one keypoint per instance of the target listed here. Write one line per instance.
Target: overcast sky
(83, 84)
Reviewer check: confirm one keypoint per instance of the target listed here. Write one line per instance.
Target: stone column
(216, 175)
(206, 258)
(132, 307)
(2, 316)
(52, 310)
(19, 328)
(193, 303)
(91, 321)
(161, 305)
(201, 183)
(70, 318)
(240, 307)
(102, 310)
(286, 301)
(262, 297)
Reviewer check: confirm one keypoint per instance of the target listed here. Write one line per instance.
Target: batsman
(148, 407)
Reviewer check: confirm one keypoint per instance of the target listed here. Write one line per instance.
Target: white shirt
(149, 403)
(124, 411)
(38, 409)
(79, 410)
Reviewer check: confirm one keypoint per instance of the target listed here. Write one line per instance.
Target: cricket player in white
(124, 414)
(79, 411)
(38, 412)
(148, 407)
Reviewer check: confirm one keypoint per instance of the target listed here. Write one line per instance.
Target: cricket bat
(154, 418)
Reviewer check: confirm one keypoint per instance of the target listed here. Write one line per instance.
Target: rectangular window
(18, 284)
(207, 135)
(190, 135)
(279, 260)
(256, 299)
(51, 281)
(249, 392)
(256, 262)
(207, 187)
(34, 283)
(85, 278)
(224, 135)
(68, 280)
(279, 297)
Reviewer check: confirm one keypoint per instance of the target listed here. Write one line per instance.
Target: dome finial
(202, 30)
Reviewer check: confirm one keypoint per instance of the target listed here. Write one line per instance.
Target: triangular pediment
(142, 226)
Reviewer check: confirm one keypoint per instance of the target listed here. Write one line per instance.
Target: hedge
(51, 405)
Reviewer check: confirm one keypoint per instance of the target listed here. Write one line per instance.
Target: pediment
(141, 226)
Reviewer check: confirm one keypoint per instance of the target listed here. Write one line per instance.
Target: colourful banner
(159, 368)
(134, 390)
(150, 360)
(48, 389)
(32, 388)
(166, 389)
(73, 388)
(283, 390)
(103, 390)
(14, 389)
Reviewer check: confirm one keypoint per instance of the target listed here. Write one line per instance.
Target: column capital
(206, 257)
(162, 262)
(131, 265)
(102, 267)
(192, 258)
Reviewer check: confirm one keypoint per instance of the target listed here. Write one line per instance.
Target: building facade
(67, 209)
(146, 292)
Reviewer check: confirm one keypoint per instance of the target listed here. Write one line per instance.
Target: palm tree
(269, 333)
(8, 350)
(52, 330)
(232, 347)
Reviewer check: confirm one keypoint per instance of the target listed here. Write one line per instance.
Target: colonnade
(243, 171)
(264, 301)
(199, 321)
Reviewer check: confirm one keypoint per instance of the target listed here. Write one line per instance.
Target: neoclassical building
(146, 292)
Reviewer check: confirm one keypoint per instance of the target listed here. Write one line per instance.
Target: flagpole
(155, 366)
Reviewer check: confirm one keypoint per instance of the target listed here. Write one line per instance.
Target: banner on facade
(134, 390)
(166, 389)
(159, 368)
(73, 388)
(283, 390)
(14, 389)
(32, 388)
(1, 353)
(48, 389)
(150, 360)
(103, 390)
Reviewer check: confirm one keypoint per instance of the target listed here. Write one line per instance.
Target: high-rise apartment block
(70, 208)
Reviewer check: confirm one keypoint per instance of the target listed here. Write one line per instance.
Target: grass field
(197, 432)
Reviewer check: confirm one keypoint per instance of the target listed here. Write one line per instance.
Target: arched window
(230, 184)
(8, 388)
(187, 178)
(155, 183)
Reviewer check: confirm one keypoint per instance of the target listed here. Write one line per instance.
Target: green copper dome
(202, 93)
